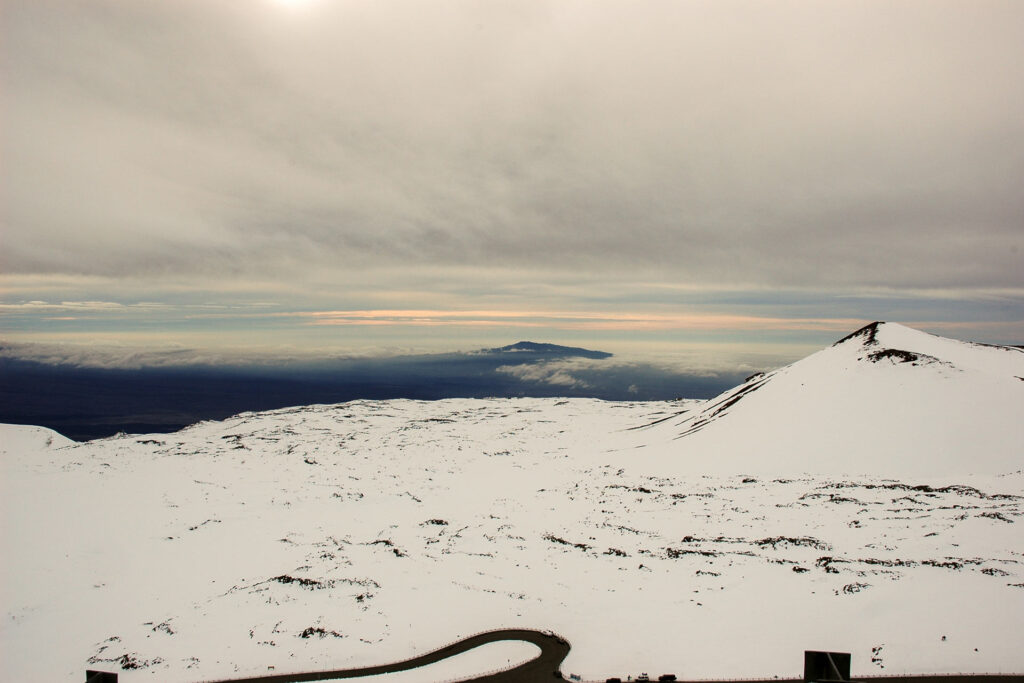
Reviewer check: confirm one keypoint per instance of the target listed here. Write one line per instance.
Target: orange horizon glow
(570, 320)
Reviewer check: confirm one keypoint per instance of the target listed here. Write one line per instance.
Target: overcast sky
(404, 174)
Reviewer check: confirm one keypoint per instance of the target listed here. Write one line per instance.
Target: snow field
(819, 511)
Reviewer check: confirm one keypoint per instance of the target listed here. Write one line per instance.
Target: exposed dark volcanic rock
(867, 333)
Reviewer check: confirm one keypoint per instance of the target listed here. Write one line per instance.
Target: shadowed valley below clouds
(87, 398)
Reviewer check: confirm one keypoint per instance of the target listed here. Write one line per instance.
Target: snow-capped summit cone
(885, 400)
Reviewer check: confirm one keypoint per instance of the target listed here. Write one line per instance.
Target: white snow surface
(893, 530)
(26, 438)
(895, 402)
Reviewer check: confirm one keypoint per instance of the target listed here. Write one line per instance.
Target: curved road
(544, 667)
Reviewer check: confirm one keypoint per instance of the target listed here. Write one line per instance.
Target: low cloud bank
(86, 393)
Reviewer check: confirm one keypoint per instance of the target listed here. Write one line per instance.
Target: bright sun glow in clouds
(294, 4)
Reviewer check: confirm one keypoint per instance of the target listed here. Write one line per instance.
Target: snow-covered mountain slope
(887, 399)
(367, 532)
(21, 438)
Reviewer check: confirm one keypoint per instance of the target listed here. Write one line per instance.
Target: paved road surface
(542, 668)
(545, 666)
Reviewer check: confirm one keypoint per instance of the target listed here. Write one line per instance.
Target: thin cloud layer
(738, 142)
(478, 155)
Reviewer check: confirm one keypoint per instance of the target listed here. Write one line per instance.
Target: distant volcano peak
(544, 349)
